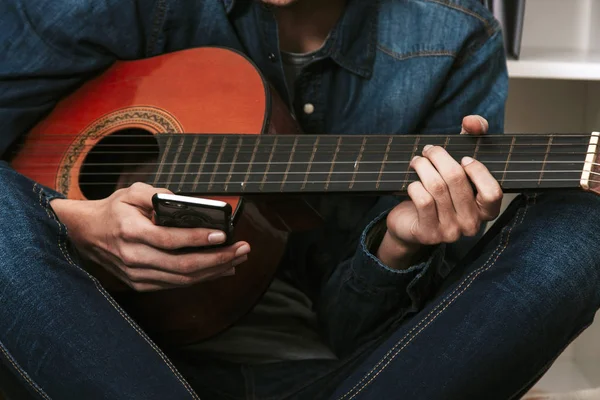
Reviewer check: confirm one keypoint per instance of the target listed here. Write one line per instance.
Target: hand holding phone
(118, 234)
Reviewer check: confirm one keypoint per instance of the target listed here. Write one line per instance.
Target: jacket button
(309, 108)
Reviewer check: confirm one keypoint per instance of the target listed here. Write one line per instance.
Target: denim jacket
(388, 66)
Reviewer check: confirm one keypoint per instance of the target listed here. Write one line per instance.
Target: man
(381, 302)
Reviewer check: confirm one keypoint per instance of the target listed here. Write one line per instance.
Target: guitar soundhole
(117, 161)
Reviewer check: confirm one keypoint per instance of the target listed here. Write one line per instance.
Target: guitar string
(286, 154)
(243, 183)
(283, 134)
(308, 146)
(303, 163)
(541, 139)
(267, 148)
(311, 173)
(468, 140)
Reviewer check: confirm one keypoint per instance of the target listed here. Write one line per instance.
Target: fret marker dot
(309, 108)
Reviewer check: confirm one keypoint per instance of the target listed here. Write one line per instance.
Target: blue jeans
(501, 317)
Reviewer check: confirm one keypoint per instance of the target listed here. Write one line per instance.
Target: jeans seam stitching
(23, 373)
(112, 302)
(472, 276)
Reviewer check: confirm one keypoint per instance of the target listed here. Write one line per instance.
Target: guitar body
(204, 90)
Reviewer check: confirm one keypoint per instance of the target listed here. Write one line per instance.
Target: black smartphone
(192, 212)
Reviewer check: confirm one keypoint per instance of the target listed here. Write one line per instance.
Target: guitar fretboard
(253, 164)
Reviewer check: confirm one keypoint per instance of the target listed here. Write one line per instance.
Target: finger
(434, 184)
(140, 195)
(169, 238)
(146, 257)
(474, 125)
(165, 280)
(489, 192)
(229, 272)
(461, 193)
(426, 210)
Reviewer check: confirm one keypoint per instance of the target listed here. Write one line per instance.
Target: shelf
(544, 63)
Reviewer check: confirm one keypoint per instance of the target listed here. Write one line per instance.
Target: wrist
(74, 214)
(63, 208)
(398, 254)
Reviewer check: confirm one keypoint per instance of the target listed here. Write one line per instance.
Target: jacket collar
(353, 41)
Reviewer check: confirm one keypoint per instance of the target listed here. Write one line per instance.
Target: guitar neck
(377, 164)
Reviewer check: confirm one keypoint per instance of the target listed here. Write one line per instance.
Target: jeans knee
(562, 250)
(27, 221)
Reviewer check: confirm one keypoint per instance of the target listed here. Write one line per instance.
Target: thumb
(474, 125)
(140, 195)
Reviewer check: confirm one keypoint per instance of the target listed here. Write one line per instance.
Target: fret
(344, 164)
(457, 146)
(263, 153)
(217, 163)
(205, 156)
(279, 163)
(220, 172)
(564, 164)
(394, 176)
(337, 150)
(157, 182)
(477, 144)
(233, 163)
(309, 166)
(250, 164)
(176, 159)
(305, 147)
(188, 162)
(271, 155)
(370, 163)
(320, 165)
(525, 157)
(512, 146)
(493, 152)
(547, 153)
(413, 154)
(289, 163)
(446, 143)
(357, 163)
(385, 157)
(241, 167)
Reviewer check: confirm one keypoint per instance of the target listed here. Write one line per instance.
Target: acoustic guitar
(205, 122)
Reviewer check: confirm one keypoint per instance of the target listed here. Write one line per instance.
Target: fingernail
(415, 158)
(427, 147)
(239, 261)
(467, 160)
(229, 272)
(216, 237)
(242, 251)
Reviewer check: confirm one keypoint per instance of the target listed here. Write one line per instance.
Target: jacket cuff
(372, 273)
(52, 194)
